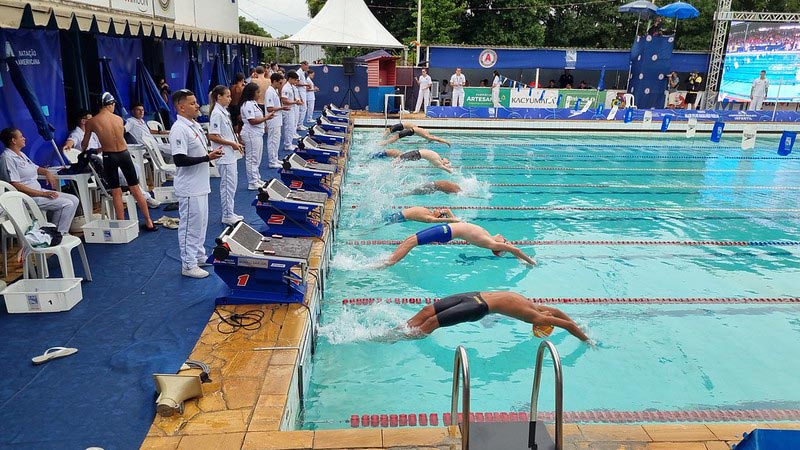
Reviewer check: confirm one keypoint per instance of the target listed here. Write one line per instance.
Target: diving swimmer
(402, 130)
(448, 187)
(444, 233)
(473, 306)
(415, 155)
(422, 214)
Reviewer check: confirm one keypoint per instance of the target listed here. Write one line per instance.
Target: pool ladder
(510, 435)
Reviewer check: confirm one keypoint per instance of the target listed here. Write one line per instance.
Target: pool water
(581, 187)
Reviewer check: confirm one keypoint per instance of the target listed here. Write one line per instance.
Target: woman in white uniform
(253, 134)
(220, 132)
(76, 135)
(23, 174)
(496, 89)
(311, 96)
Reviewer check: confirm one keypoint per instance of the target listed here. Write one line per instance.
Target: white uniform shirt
(311, 93)
(77, 137)
(187, 138)
(220, 123)
(425, 82)
(760, 87)
(288, 92)
(458, 82)
(21, 169)
(496, 83)
(301, 89)
(273, 100)
(250, 110)
(137, 128)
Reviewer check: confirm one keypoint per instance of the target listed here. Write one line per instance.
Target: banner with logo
(570, 96)
(103, 3)
(482, 96)
(533, 98)
(164, 9)
(135, 6)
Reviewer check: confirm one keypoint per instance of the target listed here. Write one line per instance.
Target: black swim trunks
(406, 133)
(119, 160)
(413, 155)
(396, 127)
(459, 308)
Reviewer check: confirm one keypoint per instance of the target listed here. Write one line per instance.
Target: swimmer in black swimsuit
(416, 155)
(406, 129)
(448, 187)
(473, 306)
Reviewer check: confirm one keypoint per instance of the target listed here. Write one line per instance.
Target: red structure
(381, 68)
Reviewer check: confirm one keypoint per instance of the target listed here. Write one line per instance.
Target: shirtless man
(444, 233)
(110, 129)
(448, 187)
(473, 306)
(422, 214)
(415, 155)
(406, 129)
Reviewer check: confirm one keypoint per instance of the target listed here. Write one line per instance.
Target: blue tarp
(109, 84)
(218, 75)
(122, 53)
(650, 61)
(146, 91)
(206, 52)
(195, 84)
(38, 57)
(333, 86)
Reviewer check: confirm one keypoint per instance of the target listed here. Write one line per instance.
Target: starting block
(290, 213)
(297, 173)
(310, 151)
(335, 118)
(331, 127)
(260, 269)
(324, 137)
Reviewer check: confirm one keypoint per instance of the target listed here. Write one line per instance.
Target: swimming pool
(605, 204)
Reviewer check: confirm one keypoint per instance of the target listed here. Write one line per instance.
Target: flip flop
(53, 353)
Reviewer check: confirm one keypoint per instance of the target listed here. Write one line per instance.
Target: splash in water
(348, 258)
(471, 187)
(380, 323)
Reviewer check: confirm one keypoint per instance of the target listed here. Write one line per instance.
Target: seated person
(415, 155)
(76, 136)
(406, 129)
(445, 95)
(441, 234)
(23, 175)
(422, 214)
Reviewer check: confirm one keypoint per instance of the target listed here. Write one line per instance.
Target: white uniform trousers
(301, 114)
(193, 212)
(289, 126)
(253, 147)
(310, 103)
(273, 139)
(458, 97)
(756, 103)
(424, 97)
(229, 179)
(63, 209)
(496, 97)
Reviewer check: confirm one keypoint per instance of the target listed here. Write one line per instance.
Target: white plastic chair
(72, 157)
(22, 210)
(630, 100)
(162, 139)
(6, 227)
(160, 167)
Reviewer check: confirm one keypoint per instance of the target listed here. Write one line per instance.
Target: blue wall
(123, 53)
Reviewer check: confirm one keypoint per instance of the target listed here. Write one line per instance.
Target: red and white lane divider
(604, 242)
(600, 156)
(648, 186)
(374, 301)
(704, 415)
(596, 208)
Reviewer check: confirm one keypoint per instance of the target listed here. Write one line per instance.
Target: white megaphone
(174, 389)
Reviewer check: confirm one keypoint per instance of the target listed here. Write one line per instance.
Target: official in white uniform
(302, 89)
(23, 175)
(424, 94)
(252, 134)
(76, 135)
(137, 127)
(272, 103)
(457, 82)
(187, 141)
(758, 92)
(220, 131)
(290, 116)
(496, 89)
(311, 96)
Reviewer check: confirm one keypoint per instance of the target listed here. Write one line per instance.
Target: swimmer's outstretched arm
(393, 138)
(568, 325)
(400, 252)
(437, 162)
(424, 133)
(503, 247)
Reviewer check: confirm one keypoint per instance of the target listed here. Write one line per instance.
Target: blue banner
(205, 56)
(650, 64)
(337, 88)
(38, 55)
(122, 54)
(716, 132)
(665, 122)
(787, 142)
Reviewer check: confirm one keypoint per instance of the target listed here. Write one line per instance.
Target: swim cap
(542, 331)
(107, 99)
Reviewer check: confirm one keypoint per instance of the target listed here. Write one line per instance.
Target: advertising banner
(164, 9)
(570, 96)
(534, 98)
(482, 96)
(135, 6)
(103, 3)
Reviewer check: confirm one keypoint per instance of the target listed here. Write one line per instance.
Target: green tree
(504, 22)
(282, 56)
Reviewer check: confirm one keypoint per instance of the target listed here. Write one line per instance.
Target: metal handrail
(559, 414)
(461, 366)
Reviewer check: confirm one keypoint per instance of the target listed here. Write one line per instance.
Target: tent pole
(58, 152)
(419, 27)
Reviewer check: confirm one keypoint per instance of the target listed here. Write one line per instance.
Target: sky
(278, 17)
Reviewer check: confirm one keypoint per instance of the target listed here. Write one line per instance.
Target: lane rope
(714, 243)
(698, 157)
(647, 186)
(374, 301)
(596, 208)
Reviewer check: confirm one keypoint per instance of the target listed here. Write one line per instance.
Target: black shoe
(146, 228)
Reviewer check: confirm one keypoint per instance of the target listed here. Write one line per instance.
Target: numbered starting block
(290, 213)
(326, 126)
(297, 173)
(336, 110)
(320, 135)
(260, 269)
(344, 120)
(309, 151)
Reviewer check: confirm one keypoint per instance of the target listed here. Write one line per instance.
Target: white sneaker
(296, 136)
(194, 272)
(238, 217)
(231, 220)
(201, 262)
(300, 128)
(275, 166)
(253, 187)
(153, 203)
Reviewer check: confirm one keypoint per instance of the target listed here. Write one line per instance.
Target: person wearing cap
(443, 233)
(694, 81)
(189, 148)
(110, 131)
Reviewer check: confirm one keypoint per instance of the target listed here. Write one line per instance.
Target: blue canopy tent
(194, 84)
(237, 66)
(218, 75)
(110, 86)
(30, 99)
(146, 92)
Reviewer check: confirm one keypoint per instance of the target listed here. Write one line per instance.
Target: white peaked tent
(345, 22)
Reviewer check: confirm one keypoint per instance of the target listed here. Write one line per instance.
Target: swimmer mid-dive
(415, 155)
(422, 214)
(448, 187)
(402, 130)
(444, 233)
(473, 306)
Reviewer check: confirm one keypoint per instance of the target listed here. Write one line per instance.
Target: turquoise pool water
(649, 357)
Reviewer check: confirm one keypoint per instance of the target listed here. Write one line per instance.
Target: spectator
(445, 96)
(583, 85)
(484, 82)
(236, 94)
(552, 85)
(164, 90)
(673, 81)
(566, 80)
(694, 81)
(655, 28)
